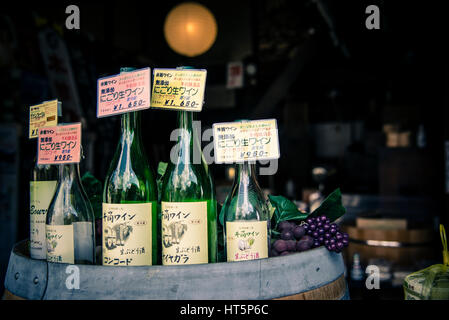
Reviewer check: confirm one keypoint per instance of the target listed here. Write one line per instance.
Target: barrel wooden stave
(314, 274)
(409, 236)
(412, 245)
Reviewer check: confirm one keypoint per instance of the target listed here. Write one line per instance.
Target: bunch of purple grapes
(293, 239)
(314, 233)
(326, 233)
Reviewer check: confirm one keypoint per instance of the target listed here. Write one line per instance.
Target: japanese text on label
(178, 89)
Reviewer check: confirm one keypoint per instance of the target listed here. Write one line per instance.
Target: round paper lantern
(190, 29)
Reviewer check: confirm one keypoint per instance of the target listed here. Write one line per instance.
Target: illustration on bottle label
(246, 240)
(184, 233)
(41, 193)
(60, 244)
(127, 234)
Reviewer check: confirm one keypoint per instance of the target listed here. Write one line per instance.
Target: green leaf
(94, 192)
(161, 168)
(331, 207)
(271, 209)
(285, 210)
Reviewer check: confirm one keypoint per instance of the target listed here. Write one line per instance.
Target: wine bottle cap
(59, 109)
(126, 69)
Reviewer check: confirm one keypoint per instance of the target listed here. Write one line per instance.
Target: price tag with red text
(125, 92)
(246, 141)
(178, 89)
(59, 144)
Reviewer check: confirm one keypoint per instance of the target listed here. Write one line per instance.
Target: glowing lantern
(190, 29)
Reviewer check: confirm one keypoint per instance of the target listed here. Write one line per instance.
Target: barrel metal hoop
(249, 280)
(25, 277)
(389, 244)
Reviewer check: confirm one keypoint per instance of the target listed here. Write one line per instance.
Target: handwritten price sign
(125, 92)
(246, 141)
(59, 144)
(178, 89)
(43, 115)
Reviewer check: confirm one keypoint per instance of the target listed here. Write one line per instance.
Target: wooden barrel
(315, 274)
(402, 247)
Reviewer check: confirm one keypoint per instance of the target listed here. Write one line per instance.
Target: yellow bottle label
(60, 244)
(41, 193)
(184, 233)
(127, 234)
(246, 240)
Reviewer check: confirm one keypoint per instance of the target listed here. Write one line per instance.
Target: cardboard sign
(246, 141)
(235, 75)
(60, 144)
(178, 89)
(125, 92)
(43, 115)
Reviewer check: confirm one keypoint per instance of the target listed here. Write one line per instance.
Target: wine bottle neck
(69, 173)
(245, 172)
(130, 121)
(130, 124)
(185, 120)
(186, 137)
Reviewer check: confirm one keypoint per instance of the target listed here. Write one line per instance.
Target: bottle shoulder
(186, 181)
(69, 204)
(245, 203)
(129, 179)
(44, 173)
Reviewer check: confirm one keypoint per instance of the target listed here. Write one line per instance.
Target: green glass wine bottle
(130, 201)
(44, 179)
(246, 217)
(70, 225)
(188, 204)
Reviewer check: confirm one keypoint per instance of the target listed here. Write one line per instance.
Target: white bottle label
(246, 240)
(41, 193)
(60, 244)
(127, 234)
(184, 233)
(83, 237)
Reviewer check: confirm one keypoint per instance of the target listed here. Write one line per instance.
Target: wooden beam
(281, 85)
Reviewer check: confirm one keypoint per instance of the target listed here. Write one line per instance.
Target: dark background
(316, 64)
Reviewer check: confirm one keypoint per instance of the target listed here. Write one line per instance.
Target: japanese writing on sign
(59, 144)
(43, 115)
(127, 236)
(246, 141)
(184, 232)
(246, 240)
(178, 89)
(125, 92)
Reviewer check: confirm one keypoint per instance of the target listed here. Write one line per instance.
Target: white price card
(246, 141)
